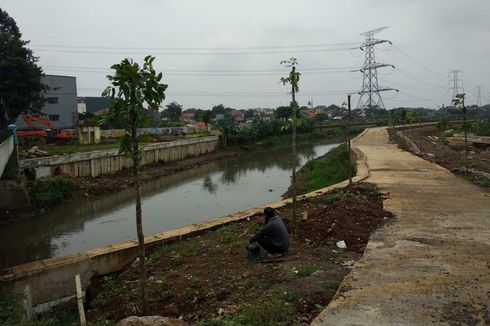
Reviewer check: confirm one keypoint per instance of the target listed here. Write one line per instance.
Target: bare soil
(450, 157)
(208, 280)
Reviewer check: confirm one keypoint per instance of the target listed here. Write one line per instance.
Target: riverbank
(207, 279)
(326, 170)
(93, 187)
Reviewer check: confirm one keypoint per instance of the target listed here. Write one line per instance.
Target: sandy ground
(432, 265)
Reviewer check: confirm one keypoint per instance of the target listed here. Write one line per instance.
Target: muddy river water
(187, 197)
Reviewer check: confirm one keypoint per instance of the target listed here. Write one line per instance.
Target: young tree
(465, 125)
(173, 111)
(409, 116)
(206, 117)
(132, 86)
(293, 80)
(20, 83)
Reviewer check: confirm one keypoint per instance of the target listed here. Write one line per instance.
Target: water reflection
(190, 196)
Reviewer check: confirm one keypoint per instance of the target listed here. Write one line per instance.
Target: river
(205, 192)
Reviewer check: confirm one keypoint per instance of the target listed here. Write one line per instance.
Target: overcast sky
(192, 42)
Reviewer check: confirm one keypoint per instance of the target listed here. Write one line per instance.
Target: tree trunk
(293, 152)
(139, 222)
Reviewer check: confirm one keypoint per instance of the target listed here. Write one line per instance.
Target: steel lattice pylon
(370, 96)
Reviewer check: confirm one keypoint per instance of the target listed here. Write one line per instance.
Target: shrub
(48, 192)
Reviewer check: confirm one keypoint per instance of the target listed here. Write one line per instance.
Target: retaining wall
(6, 149)
(53, 279)
(110, 161)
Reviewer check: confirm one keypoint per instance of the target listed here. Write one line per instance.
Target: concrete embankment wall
(53, 279)
(110, 161)
(6, 149)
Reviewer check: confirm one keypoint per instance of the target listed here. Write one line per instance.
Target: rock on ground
(151, 321)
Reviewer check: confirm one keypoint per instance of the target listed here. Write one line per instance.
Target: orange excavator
(48, 134)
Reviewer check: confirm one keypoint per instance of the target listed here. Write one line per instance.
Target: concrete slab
(432, 264)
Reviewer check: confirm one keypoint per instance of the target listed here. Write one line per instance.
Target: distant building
(187, 117)
(60, 107)
(94, 103)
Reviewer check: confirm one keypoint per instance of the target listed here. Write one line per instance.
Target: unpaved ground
(431, 265)
(208, 279)
(452, 158)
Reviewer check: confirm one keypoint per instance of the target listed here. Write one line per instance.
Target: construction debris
(33, 152)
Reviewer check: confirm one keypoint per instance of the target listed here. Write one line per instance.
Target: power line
(409, 75)
(183, 72)
(240, 94)
(412, 87)
(417, 63)
(194, 48)
(192, 53)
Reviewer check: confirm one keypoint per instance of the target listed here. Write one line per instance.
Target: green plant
(188, 293)
(272, 312)
(175, 258)
(331, 285)
(293, 80)
(287, 296)
(195, 282)
(110, 290)
(48, 192)
(482, 127)
(331, 169)
(131, 88)
(10, 311)
(305, 270)
(228, 233)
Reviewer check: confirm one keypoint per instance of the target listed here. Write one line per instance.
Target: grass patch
(330, 169)
(49, 192)
(111, 289)
(478, 179)
(271, 312)
(305, 270)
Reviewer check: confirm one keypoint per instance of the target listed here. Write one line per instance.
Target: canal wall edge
(52, 279)
(95, 163)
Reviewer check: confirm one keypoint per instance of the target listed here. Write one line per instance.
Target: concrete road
(429, 266)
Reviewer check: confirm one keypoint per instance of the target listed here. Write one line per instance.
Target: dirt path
(430, 266)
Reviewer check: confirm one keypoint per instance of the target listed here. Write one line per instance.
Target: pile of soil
(208, 278)
(351, 219)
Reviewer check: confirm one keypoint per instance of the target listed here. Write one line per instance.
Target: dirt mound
(352, 219)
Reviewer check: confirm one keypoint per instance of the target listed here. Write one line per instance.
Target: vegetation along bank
(207, 279)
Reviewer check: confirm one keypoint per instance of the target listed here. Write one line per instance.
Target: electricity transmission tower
(370, 96)
(479, 92)
(457, 89)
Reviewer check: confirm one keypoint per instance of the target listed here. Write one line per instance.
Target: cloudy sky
(222, 51)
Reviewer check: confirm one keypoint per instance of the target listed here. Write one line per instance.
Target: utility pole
(370, 96)
(457, 88)
(479, 92)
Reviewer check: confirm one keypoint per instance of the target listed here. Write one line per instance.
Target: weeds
(305, 270)
(228, 234)
(288, 296)
(111, 289)
(331, 285)
(49, 192)
(273, 312)
(331, 169)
